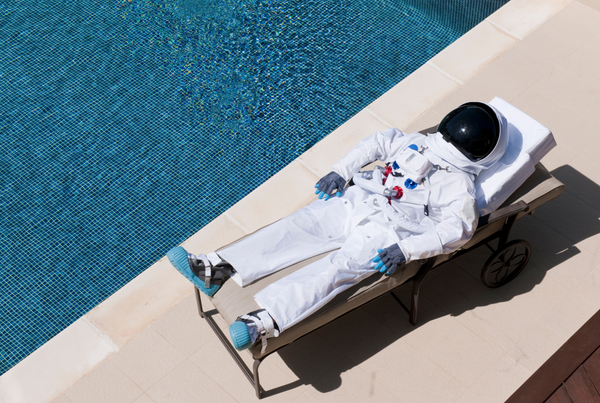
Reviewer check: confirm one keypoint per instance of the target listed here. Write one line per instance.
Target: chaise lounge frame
(508, 259)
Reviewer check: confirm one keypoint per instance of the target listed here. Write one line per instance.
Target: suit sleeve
(457, 208)
(378, 146)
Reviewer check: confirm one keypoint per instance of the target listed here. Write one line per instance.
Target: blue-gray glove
(389, 259)
(328, 184)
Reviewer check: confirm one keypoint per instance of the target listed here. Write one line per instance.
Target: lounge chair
(513, 188)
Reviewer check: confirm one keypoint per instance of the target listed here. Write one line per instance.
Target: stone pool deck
(147, 344)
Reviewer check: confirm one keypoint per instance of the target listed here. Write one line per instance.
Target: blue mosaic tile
(127, 126)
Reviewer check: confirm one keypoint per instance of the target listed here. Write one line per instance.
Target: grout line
(208, 375)
(368, 109)
(102, 335)
(131, 380)
(236, 222)
(444, 73)
(583, 4)
(504, 30)
(307, 166)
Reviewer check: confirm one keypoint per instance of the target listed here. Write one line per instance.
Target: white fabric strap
(214, 258)
(264, 326)
(268, 329)
(207, 270)
(268, 323)
(204, 259)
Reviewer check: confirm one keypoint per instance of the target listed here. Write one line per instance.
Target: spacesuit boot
(199, 270)
(251, 327)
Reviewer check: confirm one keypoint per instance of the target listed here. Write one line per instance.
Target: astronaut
(420, 205)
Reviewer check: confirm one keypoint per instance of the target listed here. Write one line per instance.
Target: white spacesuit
(423, 204)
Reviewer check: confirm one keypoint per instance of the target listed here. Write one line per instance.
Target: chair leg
(416, 286)
(414, 303)
(508, 224)
(257, 387)
(252, 376)
(199, 303)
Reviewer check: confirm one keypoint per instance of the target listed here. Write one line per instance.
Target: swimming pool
(127, 126)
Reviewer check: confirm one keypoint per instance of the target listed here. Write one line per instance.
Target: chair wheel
(505, 264)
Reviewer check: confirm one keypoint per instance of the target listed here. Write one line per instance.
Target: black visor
(473, 128)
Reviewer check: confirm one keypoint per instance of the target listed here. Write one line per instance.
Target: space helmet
(473, 128)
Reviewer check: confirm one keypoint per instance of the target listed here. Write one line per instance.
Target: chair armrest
(503, 213)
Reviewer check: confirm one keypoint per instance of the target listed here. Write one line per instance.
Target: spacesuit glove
(389, 259)
(327, 184)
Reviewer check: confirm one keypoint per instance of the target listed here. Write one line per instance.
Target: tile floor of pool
(471, 344)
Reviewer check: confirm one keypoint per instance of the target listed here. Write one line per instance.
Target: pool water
(128, 125)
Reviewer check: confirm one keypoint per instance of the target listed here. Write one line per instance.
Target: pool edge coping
(105, 329)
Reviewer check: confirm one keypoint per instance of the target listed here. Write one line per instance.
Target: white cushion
(528, 142)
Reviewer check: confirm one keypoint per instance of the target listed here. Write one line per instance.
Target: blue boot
(240, 336)
(251, 327)
(193, 268)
